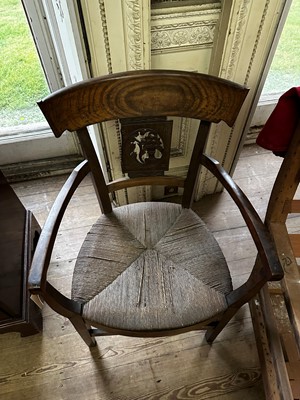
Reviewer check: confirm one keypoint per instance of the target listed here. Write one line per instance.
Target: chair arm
(42, 255)
(269, 265)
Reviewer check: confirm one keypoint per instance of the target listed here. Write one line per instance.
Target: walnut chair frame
(150, 94)
(277, 323)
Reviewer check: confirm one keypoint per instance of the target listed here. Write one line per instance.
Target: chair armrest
(42, 255)
(269, 265)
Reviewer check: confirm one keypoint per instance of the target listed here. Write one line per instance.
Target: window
(21, 74)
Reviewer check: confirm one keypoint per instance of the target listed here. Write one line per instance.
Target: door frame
(263, 106)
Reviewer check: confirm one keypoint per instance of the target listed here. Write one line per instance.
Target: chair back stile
(96, 170)
(194, 167)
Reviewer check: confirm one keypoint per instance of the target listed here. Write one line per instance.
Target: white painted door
(229, 38)
(282, 70)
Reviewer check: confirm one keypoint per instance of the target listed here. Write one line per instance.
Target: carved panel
(146, 147)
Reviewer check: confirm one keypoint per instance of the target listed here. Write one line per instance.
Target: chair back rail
(143, 93)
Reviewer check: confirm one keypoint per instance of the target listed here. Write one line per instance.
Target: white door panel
(229, 38)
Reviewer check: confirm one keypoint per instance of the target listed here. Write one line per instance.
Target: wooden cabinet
(19, 232)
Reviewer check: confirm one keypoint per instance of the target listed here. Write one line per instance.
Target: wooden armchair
(152, 268)
(276, 309)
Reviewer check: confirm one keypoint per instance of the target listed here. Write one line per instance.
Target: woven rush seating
(150, 279)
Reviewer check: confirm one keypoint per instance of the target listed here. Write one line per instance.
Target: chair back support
(143, 93)
(137, 94)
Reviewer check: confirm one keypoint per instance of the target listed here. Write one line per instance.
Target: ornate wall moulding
(136, 43)
(186, 10)
(102, 12)
(178, 37)
(257, 41)
(191, 27)
(238, 36)
(251, 61)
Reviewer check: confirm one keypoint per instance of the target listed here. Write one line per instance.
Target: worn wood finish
(123, 183)
(284, 335)
(56, 364)
(284, 189)
(97, 174)
(37, 279)
(259, 233)
(178, 280)
(292, 206)
(194, 167)
(19, 233)
(295, 243)
(272, 358)
(140, 94)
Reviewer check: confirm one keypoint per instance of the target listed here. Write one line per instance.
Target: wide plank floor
(57, 364)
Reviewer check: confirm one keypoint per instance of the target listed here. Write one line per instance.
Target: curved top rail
(143, 93)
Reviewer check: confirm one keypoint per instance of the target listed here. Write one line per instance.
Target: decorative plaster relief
(245, 74)
(182, 35)
(134, 28)
(105, 35)
(257, 39)
(60, 10)
(192, 12)
(237, 39)
(250, 65)
(192, 27)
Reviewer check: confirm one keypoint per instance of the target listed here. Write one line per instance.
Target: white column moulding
(119, 40)
(247, 31)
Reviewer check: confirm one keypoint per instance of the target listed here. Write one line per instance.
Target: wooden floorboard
(56, 364)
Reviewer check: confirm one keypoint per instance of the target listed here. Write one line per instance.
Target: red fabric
(279, 129)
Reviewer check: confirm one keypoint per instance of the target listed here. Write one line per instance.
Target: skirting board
(40, 168)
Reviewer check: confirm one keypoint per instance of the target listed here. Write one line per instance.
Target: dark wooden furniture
(19, 234)
(153, 268)
(276, 309)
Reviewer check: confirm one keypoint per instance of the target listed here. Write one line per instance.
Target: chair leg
(83, 330)
(214, 331)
